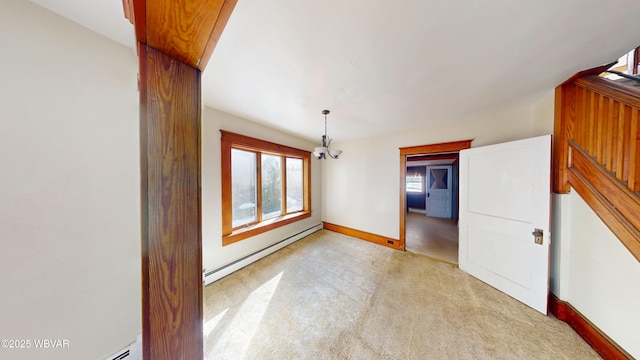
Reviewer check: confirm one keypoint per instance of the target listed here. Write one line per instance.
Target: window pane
(438, 179)
(243, 187)
(271, 186)
(414, 183)
(294, 185)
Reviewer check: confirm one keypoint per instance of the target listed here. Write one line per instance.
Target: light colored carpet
(434, 237)
(330, 296)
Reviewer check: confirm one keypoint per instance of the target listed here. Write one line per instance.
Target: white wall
(596, 273)
(362, 189)
(69, 187)
(213, 253)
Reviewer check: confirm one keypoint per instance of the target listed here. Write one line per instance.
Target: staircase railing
(597, 150)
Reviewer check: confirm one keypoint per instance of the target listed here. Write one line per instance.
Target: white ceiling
(381, 65)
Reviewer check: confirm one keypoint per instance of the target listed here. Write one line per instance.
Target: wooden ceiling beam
(186, 30)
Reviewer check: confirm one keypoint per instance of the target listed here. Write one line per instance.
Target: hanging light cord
(324, 152)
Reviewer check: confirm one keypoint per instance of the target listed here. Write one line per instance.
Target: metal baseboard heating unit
(120, 355)
(227, 269)
(131, 352)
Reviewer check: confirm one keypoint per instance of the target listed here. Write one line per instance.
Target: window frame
(230, 141)
(423, 175)
(422, 185)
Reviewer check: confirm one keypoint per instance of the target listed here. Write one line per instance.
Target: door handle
(537, 235)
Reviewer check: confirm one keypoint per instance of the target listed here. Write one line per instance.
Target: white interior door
(505, 197)
(439, 191)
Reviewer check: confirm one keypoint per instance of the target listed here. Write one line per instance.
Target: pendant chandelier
(321, 152)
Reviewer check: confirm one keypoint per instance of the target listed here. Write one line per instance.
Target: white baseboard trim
(236, 265)
(421, 211)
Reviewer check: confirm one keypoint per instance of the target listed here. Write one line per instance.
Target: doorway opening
(429, 199)
(432, 211)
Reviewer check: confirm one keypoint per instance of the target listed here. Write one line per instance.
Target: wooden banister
(597, 151)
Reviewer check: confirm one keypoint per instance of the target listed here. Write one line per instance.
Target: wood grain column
(170, 140)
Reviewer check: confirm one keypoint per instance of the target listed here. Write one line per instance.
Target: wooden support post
(565, 97)
(171, 207)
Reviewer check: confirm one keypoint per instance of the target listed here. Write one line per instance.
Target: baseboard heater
(227, 269)
(131, 352)
(120, 355)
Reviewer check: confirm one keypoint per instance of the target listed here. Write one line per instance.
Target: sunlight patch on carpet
(236, 340)
(210, 325)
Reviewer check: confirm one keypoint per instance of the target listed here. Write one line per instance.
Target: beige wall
(595, 273)
(213, 253)
(69, 200)
(361, 190)
(601, 273)
(542, 113)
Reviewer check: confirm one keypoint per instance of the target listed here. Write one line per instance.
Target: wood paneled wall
(597, 151)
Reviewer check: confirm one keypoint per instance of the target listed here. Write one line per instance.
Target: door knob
(537, 235)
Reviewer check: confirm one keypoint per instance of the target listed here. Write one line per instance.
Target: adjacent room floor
(433, 237)
(330, 296)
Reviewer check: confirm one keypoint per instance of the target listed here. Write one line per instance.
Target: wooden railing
(597, 151)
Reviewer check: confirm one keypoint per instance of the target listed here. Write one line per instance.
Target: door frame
(448, 147)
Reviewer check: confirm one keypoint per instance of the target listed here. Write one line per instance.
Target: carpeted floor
(330, 296)
(434, 237)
